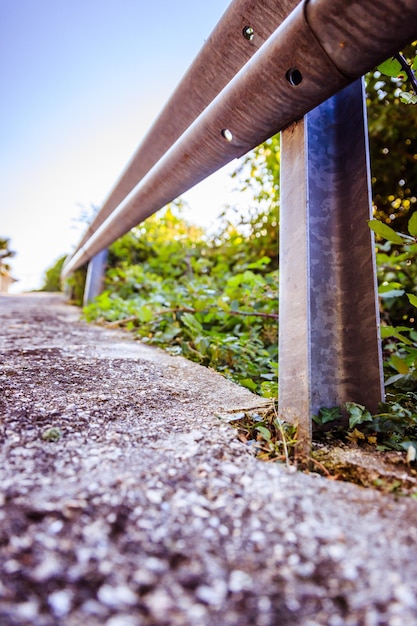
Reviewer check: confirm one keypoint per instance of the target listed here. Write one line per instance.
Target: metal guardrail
(320, 47)
(270, 67)
(239, 34)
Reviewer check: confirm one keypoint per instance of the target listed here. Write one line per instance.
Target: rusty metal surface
(288, 76)
(354, 33)
(329, 344)
(242, 30)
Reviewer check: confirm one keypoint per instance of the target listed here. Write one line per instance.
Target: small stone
(155, 497)
(404, 595)
(122, 620)
(239, 581)
(214, 595)
(56, 527)
(47, 569)
(160, 604)
(337, 551)
(153, 564)
(258, 537)
(144, 578)
(91, 607)
(198, 511)
(116, 596)
(60, 602)
(28, 610)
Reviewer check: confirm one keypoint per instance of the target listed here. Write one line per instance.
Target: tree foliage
(52, 278)
(5, 253)
(393, 143)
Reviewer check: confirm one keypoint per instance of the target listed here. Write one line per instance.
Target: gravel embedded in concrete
(126, 502)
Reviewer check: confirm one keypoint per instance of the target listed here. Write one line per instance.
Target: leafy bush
(397, 276)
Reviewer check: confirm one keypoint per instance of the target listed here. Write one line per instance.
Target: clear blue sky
(81, 82)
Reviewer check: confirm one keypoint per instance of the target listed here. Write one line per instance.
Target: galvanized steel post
(95, 276)
(329, 348)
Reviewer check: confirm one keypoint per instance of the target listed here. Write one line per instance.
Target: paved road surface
(148, 511)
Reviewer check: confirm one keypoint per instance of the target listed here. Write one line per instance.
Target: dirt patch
(386, 471)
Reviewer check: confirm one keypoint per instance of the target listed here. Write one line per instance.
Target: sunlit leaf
(407, 97)
(390, 290)
(412, 225)
(144, 314)
(386, 287)
(399, 364)
(391, 331)
(269, 389)
(249, 383)
(259, 264)
(412, 298)
(390, 67)
(385, 231)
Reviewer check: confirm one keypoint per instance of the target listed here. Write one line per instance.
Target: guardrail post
(95, 276)
(329, 347)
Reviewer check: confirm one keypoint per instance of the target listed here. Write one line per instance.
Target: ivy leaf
(385, 231)
(327, 415)
(412, 225)
(357, 414)
(390, 67)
